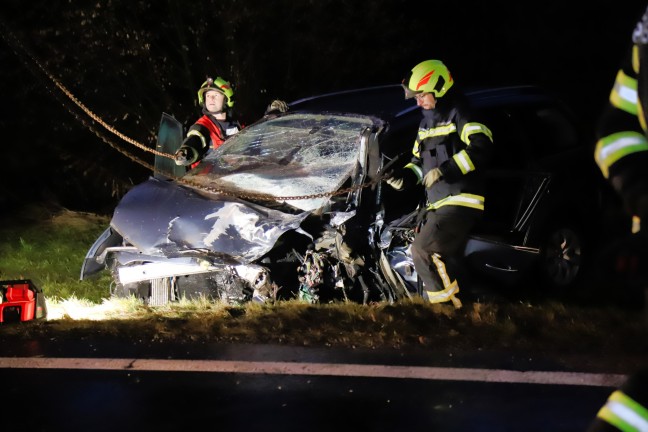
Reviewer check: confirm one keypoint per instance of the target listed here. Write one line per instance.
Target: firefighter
(450, 152)
(621, 153)
(216, 97)
(622, 147)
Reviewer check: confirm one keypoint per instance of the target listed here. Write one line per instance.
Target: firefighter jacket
(208, 133)
(450, 139)
(621, 150)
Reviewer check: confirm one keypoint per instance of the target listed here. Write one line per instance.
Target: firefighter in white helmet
(621, 153)
(622, 145)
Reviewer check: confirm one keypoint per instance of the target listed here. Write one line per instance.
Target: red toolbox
(21, 300)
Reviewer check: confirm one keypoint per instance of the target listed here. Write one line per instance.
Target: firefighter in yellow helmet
(216, 98)
(450, 152)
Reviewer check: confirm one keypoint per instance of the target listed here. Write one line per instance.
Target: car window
(289, 156)
(509, 186)
(549, 131)
(509, 140)
(525, 138)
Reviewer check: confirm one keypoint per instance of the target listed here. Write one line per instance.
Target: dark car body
(294, 204)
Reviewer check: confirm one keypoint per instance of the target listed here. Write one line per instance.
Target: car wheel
(562, 257)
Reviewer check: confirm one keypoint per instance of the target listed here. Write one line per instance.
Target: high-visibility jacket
(621, 150)
(450, 139)
(209, 133)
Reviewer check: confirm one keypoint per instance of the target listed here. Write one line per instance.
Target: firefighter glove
(395, 182)
(184, 156)
(276, 107)
(432, 177)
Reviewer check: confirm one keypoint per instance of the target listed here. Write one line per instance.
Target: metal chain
(13, 42)
(268, 197)
(17, 46)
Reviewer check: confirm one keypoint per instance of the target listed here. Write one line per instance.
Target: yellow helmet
(430, 76)
(221, 86)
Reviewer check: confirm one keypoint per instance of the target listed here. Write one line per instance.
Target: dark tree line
(129, 61)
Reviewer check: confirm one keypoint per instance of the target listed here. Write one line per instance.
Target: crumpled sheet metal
(163, 218)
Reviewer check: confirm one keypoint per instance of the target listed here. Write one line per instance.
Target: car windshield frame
(295, 155)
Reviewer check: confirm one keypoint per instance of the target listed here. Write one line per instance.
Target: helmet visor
(204, 90)
(409, 93)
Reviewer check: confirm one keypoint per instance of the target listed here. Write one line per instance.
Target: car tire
(562, 262)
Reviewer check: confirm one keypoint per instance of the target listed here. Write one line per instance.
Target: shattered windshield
(291, 156)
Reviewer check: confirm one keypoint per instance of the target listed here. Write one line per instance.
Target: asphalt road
(95, 386)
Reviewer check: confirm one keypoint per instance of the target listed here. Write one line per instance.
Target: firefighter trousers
(440, 239)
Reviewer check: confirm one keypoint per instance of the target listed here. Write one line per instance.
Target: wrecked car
(293, 206)
(241, 225)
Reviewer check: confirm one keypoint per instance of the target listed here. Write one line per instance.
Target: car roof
(388, 101)
(383, 101)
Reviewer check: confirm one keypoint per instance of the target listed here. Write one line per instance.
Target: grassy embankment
(50, 251)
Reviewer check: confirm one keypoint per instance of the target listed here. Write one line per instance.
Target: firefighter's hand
(181, 157)
(276, 107)
(431, 177)
(395, 182)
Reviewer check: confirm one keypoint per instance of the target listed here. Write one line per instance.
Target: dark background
(129, 61)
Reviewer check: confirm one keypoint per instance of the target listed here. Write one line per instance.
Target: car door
(511, 189)
(169, 140)
(497, 246)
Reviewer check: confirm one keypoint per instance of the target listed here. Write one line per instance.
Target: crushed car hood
(161, 218)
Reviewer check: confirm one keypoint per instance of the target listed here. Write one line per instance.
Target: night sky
(130, 61)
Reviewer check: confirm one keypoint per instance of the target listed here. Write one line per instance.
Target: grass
(50, 252)
(51, 249)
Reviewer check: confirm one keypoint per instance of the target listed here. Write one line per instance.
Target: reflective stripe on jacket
(624, 413)
(208, 130)
(216, 135)
(450, 139)
(621, 133)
